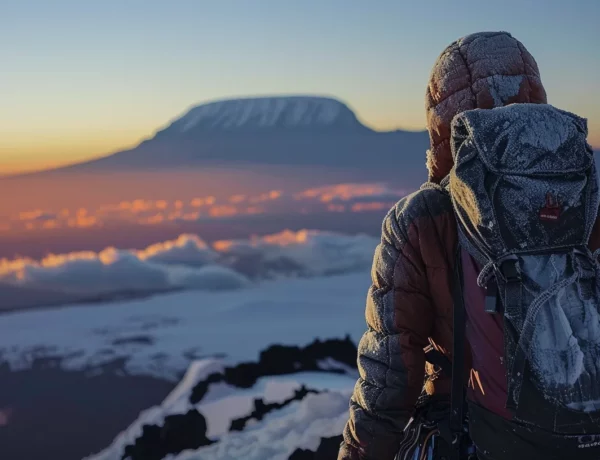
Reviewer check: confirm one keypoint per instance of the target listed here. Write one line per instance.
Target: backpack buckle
(491, 297)
(509, 269)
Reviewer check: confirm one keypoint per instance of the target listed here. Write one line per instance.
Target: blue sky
(82, 78)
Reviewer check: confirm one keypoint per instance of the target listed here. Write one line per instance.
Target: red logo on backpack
(552, 209)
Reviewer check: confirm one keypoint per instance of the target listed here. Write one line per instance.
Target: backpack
(525, 195)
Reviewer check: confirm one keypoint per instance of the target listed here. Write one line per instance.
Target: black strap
(457, 397)
(513, 316)
(491, 297)
(437, 358)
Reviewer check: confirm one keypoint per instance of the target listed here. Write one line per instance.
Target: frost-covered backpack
(525, 195)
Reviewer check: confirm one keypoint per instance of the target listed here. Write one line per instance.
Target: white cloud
(208, 278)
(187, 250)
(306, 252)
(109, 271)
(188, 263)
(36, 215)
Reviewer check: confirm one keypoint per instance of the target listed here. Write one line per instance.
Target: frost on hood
(503, 87)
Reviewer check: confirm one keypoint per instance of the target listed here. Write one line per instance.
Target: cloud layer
(189, 263)
(305, 253)
(335, 198)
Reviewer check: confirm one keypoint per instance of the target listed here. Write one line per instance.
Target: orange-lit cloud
(83, 221)
(187, 249)
(175, 215)
(286, 238)
(35, 215)
(200, 202)
(348, 192)
(337, 198)
(137, 206)
(153, 220)
(30, 215)
(15, 268)
(269, 196)
(191, 216)
(49, 224)
(222, 211)
(186, 262)
(251, 210)
(235, 199)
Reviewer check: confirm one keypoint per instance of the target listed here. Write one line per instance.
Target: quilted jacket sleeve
(391, 360)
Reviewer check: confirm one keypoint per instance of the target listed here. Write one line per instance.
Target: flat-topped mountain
(294, 130)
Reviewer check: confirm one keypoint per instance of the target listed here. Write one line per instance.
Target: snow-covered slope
(266, 113)
(272, 419)
(161, 336)
(270, 371)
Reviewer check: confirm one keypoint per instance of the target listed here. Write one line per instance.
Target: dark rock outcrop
(282, 360)
(188, 431)
(261, 408)
(178, 433)
(327, 450)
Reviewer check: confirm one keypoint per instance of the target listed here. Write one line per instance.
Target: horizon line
(216, 100)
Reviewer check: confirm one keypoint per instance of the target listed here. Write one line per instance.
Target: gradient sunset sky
(84, 78)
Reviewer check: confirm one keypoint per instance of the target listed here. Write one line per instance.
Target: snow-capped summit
(264, 114)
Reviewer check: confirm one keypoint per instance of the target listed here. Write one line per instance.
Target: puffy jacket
(409, 303)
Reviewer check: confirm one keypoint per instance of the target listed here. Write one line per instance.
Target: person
(410, 302)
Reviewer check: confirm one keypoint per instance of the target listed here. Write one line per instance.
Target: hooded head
(480, 71)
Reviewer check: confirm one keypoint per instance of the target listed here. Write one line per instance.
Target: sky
(80, 79)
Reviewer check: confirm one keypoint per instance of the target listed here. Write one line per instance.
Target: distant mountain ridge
(279, 130)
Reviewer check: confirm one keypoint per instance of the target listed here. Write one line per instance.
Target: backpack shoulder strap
(457, 397)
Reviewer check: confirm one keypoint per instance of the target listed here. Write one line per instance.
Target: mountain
(295, 130)
(263, 115)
